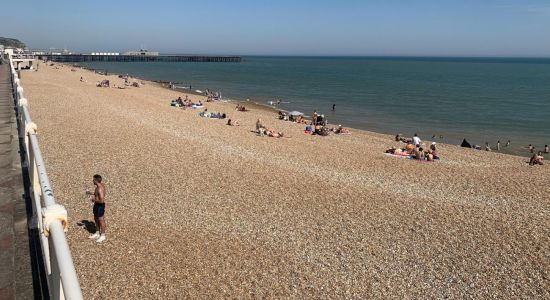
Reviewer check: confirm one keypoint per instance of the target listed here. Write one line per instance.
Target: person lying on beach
(341, 130)
(398, 152)
(218, 115)
(232, 122)
(103, 83)
(536, 159)
(399, 138)
(273, 133)
(300, 120)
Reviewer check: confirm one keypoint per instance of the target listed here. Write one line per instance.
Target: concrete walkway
(16, 277)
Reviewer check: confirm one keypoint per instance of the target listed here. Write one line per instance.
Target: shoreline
(274, 109)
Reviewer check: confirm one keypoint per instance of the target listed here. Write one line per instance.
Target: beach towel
(401, 156)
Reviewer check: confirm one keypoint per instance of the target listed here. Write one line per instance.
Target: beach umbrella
(295, 113)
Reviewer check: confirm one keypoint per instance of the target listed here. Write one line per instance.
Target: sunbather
(232, 123)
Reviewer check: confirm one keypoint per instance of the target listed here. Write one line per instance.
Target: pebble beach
(197, 209)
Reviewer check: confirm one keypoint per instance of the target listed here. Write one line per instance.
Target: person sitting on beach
(314, 118)
(309, 129)
(81, 79)
(430, 155)
(434, 151)
(409, 148)
(260, 128)
(487, 147)
(536, 159)
(418, 153)
(273, 133)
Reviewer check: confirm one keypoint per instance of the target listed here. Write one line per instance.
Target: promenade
(15, 267)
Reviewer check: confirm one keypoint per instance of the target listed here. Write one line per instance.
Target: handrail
(49, 218)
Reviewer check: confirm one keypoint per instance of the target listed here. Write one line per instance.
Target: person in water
(546, 150)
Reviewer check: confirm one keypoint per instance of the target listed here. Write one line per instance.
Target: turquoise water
(480, 99)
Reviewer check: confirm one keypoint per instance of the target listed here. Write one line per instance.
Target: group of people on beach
(414, 149)
(185, 103)
(240, 107)
(216, 115)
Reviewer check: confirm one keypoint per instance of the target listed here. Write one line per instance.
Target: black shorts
(99, 210)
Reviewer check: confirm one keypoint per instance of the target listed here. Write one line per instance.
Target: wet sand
(198, 209)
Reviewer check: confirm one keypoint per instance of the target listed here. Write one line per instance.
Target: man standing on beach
(416, 140)
(98, 198)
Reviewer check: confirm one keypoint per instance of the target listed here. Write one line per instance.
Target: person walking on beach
(546, 150)
(98, 198)
(531, 148)
(498, 145)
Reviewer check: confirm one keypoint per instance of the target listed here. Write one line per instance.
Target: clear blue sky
(285, 27)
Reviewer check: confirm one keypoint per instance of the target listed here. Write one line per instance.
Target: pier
(137, 58)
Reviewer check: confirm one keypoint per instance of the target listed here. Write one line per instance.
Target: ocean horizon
(481, 99)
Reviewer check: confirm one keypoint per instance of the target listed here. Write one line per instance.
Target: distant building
(141, 52)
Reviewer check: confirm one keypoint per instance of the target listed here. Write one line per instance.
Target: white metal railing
(48, 217)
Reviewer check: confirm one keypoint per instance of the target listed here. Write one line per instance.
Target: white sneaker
(101, 239)
(94, 236)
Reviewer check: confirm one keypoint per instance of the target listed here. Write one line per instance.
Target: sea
(477, 99)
